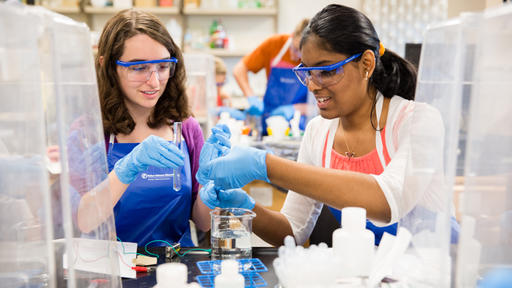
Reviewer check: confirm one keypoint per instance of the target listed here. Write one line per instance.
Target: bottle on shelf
(165, 3)
(250, 4)
(193, 4)
(99, 3)
(218, 37)
(123, 4)
(145, 3)
(213, 27)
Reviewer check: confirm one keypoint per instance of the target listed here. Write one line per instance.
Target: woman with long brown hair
(141, 79)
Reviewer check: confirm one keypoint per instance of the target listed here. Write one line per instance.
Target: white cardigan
(404, 119)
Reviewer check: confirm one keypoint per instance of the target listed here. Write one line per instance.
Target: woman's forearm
(271, 226)
(201, 215)
(336, 188)
(97, 205)
(240, 72)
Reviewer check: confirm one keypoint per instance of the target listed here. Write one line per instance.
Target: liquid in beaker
(231, 233)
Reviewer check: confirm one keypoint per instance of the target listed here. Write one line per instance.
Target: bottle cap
(229, 266)
(353, 218)
(171, 274)
(289, 241)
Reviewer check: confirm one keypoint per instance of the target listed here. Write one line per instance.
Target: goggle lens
(141, 71)
(323, 76)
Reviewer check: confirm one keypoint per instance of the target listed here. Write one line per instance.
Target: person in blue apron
(278, 55)
(166, 212)
(283, 89)
(141, 79)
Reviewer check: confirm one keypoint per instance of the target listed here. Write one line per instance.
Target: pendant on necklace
(350, 154)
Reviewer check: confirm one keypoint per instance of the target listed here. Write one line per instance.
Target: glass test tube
(176, 181)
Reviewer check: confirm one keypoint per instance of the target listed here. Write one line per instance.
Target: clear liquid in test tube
(176, 181)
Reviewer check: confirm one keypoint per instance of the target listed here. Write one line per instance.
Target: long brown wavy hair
(172, 105)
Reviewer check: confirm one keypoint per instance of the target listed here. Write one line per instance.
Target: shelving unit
(64, 9)
(113, 10)
(222, 52)
(230, 12)
(95, 17)
(260, 23)
(246, 28)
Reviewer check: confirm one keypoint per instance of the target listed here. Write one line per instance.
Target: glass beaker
(231, 233)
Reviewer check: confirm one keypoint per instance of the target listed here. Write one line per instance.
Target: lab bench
(265, 254)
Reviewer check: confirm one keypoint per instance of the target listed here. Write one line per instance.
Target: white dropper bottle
(229, 277)
(171, 275)
(352, 244)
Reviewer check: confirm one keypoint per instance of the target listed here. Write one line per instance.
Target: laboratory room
(255, 143)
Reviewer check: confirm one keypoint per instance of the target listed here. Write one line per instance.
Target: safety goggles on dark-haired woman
(323, 76)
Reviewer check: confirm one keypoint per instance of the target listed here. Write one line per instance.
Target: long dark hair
(172, 105)
(347, 31)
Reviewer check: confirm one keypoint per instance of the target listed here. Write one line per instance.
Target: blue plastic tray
(244, 265)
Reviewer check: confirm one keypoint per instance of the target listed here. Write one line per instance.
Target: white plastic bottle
(171, 275)
(468, 255)
(353, 244)
(294, 124)
(229, 277)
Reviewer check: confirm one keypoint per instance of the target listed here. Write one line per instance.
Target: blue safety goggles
(141, 71)
(323, 76)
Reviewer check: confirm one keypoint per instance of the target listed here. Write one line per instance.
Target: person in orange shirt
(278, 55)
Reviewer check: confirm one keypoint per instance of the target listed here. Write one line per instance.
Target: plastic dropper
(176, 182)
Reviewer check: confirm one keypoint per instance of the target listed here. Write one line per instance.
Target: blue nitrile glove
(233, 113)
(222, 135)
(235, 170)
(153, 151)
(232, 198)
(255, 106)
(499, 277)
(235, 198)
(215, 146)
(286, 111)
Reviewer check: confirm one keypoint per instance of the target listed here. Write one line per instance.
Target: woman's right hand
(153, 151)
(232, 198)
(239, 167)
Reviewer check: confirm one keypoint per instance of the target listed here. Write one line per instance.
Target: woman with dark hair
(141, 79)
(356, 151)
